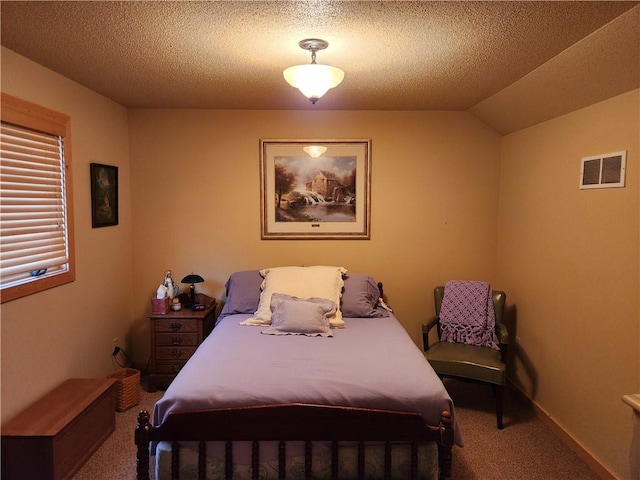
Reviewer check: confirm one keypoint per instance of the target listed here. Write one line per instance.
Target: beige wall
(568, 259)
(67, 331)
(196, 201)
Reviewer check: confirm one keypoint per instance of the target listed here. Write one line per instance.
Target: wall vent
(603, 171)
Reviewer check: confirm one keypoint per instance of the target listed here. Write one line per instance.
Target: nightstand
(174, 339)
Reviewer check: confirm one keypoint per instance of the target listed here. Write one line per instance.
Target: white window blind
(33, 210)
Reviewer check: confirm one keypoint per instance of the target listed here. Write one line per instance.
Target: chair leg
(499, 392)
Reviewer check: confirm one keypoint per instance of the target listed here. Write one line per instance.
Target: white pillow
(302, 282)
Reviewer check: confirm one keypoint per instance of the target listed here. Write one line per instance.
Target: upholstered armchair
(470, 362)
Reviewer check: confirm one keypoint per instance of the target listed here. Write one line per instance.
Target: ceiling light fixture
(314, 150)
(313, 79)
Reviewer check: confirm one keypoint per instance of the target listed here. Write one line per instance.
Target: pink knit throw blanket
(467, 314)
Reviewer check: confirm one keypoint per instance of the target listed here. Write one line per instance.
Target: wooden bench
(54, 437)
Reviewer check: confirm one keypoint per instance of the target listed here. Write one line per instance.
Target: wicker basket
(127, 388)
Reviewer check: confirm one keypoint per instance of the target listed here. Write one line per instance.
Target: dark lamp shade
(192, 278)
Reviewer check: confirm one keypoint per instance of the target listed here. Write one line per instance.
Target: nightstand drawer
(175, 336)
(176, 339)
(169, 367)
(176, 325)
(174, 353)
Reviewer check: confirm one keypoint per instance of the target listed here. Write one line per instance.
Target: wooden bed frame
(303, 423)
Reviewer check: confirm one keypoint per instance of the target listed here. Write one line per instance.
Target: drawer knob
(176, 353)
(176, 340)
(176, 367)
(175, 326)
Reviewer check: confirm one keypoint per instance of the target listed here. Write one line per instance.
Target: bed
(348, 395)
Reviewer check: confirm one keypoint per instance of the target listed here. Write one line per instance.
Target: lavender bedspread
(372, 363)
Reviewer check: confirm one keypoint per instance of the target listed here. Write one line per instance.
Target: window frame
(29, 115)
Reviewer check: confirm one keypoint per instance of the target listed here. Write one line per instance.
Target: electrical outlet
(116, 348)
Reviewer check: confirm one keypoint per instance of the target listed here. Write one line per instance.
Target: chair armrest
(502, 333)
(426, 328)
(503, 339)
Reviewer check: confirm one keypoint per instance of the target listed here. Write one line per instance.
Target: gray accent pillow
(296, 316)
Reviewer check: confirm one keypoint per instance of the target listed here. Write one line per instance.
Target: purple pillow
(243, 293)
(360, 297)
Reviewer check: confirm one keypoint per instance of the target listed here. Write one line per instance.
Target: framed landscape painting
(315, 189)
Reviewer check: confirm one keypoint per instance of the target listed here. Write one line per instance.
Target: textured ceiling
(485, 57)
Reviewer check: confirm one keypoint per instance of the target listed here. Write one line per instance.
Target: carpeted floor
(525, 450)
(116, 458)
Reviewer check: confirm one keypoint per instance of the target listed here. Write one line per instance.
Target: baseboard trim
(575, 446)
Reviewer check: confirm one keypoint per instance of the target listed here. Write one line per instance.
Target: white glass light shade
(314, 150)
(313, 79)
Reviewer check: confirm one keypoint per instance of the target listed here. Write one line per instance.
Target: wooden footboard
(305, 423)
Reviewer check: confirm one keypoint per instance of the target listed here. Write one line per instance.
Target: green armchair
(470, 362)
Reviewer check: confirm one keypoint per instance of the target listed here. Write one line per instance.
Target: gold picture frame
(315, 189)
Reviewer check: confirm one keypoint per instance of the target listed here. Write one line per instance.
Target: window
(36, 208)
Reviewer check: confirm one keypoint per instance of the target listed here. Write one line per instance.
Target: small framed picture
(104, 195)
(315, 189)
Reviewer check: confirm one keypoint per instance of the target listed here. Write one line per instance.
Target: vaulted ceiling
(511, 64)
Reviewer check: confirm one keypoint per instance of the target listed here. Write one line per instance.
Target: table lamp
(192, 278)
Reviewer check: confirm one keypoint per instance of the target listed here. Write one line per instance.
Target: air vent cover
(603, 171)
